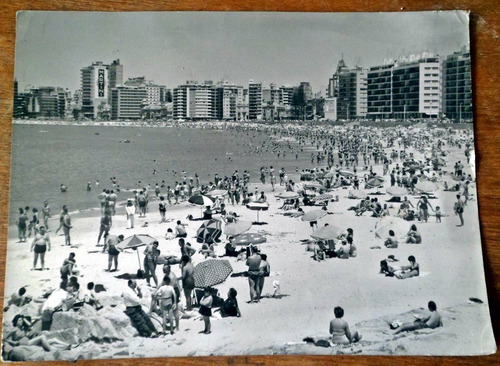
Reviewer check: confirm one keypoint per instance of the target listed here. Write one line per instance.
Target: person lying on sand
(14, 343)
(339, 329)
(431, 320)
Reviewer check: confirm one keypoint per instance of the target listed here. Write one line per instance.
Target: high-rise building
(286, 92)
(349, 87)
(254, 100)
(306, 89)
(127, 102)
(115, 76)
(97, 81)
(19, 104)
(194, 101)
(457, 86)
(227, 97)
(407, 88)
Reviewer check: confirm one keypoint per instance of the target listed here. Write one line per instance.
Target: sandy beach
(451, 273)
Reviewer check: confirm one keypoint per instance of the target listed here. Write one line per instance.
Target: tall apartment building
(227, 97)
(408, 88)
(194, 101)
(127, 102)
(97, 81)
(457, 86)
(254, 100)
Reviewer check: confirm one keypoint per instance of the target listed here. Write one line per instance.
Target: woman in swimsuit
(39, 246)
(412, 270)
(339, 329)
(413, 236)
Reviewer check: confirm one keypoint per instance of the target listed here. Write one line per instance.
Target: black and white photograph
(192, 184)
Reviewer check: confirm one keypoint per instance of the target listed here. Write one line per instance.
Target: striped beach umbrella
(209, 229)
(201, 200)
(211, 272)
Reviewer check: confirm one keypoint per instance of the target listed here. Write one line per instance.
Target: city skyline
(258, 46)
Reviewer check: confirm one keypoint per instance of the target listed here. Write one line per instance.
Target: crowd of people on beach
(342, 160)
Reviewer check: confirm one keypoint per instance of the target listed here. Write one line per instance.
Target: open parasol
(211, 272)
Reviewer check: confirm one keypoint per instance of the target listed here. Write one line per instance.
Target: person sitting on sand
(343, 251)
(68, 267)
(391, 241)
(353, 251)
(208, 249)
(180, 231)
(432, 321)
(170, 234)
(319, 250)
(339, 329)
(412, 270)
(413, 236)
(230, 306)
(15, 342)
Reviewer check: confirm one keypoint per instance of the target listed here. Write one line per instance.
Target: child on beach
(438, 214)
(206, 309)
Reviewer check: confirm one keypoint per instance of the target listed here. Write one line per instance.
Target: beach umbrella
(357, 194)
(313, 185)
(217, 193)
(330, 175)
(201, 200)
(211, 272)
(248, 239)
(323, 197)
(426, 186)
(396, 224)
(288, 195)
(237, 228)
(313, 215)
(135, 241)
(258, 206)
(397, 191)
(375, 182)
(346, 173)
(209, 229)
(328, 233)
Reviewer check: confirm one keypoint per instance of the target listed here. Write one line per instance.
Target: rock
(69, 335)
(111, 301)
(87, 311)
(98, 329)
(65, 320)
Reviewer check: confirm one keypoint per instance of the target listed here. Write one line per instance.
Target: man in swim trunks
(432, 321)
(39, 246)
(151, 254)
(111, 243)
(253, 262)
(187, 280)
(174, 282)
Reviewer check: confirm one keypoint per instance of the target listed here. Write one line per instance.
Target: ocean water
(43, 157)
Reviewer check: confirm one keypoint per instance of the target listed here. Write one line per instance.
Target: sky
(172, 47)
